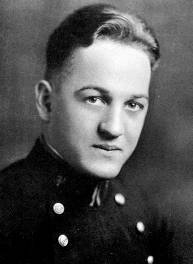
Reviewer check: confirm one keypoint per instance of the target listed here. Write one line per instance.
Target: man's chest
(116, 232)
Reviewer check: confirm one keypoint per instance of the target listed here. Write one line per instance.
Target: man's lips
(107, 147)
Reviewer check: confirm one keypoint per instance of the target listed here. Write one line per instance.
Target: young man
(65, 202)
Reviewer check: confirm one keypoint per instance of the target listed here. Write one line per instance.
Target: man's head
(95, 95)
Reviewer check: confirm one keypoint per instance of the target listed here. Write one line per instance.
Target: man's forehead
(105, 61)
(108, 50)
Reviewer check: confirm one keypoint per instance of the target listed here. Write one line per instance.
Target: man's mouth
(107, 147)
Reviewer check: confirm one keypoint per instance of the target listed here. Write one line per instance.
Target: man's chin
(104, 172)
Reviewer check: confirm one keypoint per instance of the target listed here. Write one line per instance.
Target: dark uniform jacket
(50, 214)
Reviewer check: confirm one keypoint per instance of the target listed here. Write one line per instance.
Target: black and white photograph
(96, 132)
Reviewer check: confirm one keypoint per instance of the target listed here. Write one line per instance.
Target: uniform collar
(73, 187)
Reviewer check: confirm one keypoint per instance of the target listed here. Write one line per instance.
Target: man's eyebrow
(105, 92)
(95, 88)
(139, 96)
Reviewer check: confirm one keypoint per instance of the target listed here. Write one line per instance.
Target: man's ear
(43, 92)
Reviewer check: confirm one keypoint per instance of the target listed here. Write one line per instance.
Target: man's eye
(134, 106)
(94, 100)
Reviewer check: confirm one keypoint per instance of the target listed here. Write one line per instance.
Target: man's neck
(50, 148)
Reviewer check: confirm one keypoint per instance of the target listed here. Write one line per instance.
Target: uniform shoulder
(15, 167)
(22, 195)
(13, 176)
(10, 195)
(10, 176)
(22, 179)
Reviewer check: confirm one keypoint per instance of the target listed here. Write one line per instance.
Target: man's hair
(93, 22)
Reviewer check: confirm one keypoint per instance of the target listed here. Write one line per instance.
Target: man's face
(98, 113)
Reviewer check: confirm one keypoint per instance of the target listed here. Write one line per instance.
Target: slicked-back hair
(93, 22)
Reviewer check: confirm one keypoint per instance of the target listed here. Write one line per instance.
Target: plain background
(165, 152)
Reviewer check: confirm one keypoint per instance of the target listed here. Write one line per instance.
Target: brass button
(150, 260)
(63, 240)
(58, 208)
(140, 227)
(119, 199)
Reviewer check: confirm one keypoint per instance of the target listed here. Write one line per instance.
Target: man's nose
(111, 125)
